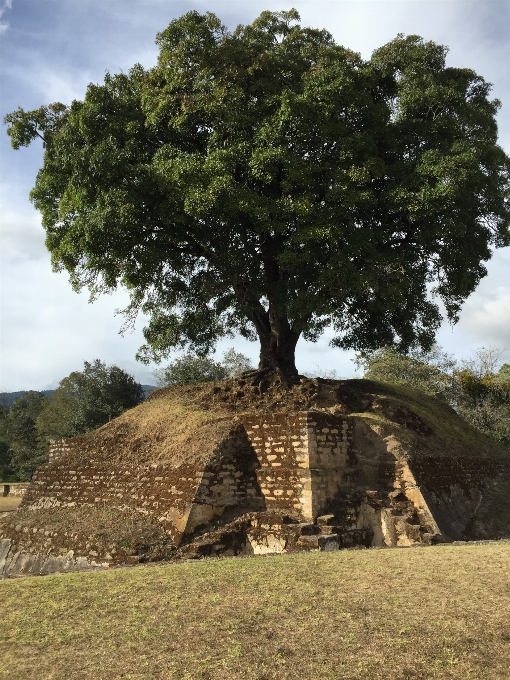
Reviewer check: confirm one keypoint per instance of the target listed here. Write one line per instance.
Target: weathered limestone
(273, 483)
(15, 489)
(19, 563)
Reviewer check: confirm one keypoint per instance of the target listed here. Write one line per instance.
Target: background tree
(271, 183)
(429, 371)
(476, 388)
(27, 450)
(483, 396)
(235, 363)
(56, 420)
(504, 371)
(88, 399)
(191, 368)
(7, 474)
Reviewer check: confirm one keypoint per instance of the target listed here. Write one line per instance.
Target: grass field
(8, 503)
(402, 614)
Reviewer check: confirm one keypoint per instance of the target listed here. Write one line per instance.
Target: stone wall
(301, 465)
(293, 464)
(303, 459)
(181, 498)
(15, 489)
(280, 444)
(296, 480)
(58, 448)
(468, 498)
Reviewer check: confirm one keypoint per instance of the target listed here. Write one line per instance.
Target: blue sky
(51, 49)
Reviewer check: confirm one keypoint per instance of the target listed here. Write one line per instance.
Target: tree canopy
(269, 182)
(190, 368)
(430, 371)
(82, 402)
(26, 450)
(87, 399)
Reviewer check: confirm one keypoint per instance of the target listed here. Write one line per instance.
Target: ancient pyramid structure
(241, 468)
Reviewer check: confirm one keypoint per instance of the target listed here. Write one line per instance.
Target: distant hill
(7, 398)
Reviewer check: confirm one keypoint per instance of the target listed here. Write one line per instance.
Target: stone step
(356, 537)
(324, 542)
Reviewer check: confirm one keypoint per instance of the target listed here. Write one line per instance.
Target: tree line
(82, 402)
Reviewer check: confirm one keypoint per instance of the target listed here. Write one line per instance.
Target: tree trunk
(277, 347)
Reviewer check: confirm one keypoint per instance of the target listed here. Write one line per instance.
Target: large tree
(269, 182)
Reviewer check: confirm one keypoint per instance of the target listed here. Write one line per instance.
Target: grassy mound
(184, 423)
(411, 614)
(182, 426)
(166, 430)
(422, 424)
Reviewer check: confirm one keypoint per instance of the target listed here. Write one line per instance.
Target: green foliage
(484, 394)
(235, 363)
(485, 403)
(269, 182)
(86, 400)
(504, 371)
(191, 368)
(55, 420)
(27, 450)
(476, 391)
(7, 474)
(428, 371)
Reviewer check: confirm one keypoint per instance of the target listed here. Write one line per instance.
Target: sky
(51, 49)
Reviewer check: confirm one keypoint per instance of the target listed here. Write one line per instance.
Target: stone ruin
(321, 478)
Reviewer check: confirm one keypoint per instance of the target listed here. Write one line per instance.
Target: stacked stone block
(293, 468)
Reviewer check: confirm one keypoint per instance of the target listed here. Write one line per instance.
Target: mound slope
(241, 466)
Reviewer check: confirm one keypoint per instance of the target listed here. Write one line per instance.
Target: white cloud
(47, 330)
(488, 320)
(7, 4)
(485, 317)
(49, 81)
(21, 237)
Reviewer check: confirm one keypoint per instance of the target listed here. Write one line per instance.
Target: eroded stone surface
(274, 482)
(19, 563)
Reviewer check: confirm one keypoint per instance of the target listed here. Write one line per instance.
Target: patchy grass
(8, 503)
(409, 614)
(456, 435)
(158, 430)
(113, 534)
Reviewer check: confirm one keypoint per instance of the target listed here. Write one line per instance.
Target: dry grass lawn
(408, 614)
(8, 503)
